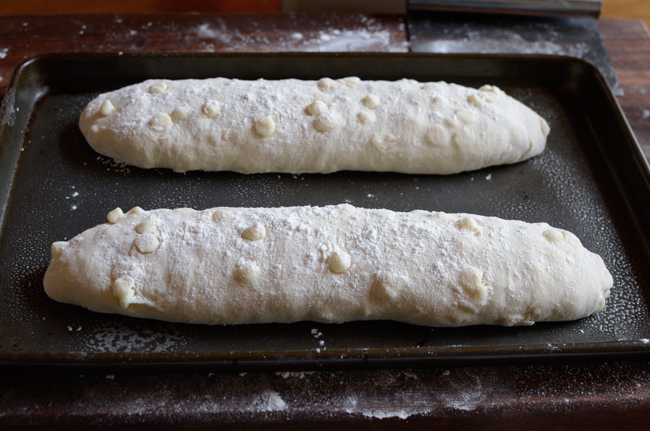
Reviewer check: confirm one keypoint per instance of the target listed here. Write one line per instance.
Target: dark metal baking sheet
(592, 180)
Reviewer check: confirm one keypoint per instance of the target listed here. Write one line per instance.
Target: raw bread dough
(327, 264)
(312, 126)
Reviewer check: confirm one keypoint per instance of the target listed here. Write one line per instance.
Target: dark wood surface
(628, 46)
(594, 396)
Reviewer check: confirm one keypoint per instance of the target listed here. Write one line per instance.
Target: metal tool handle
(589, 8)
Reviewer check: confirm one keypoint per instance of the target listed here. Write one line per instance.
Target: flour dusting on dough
(323, 126)
(420, 267)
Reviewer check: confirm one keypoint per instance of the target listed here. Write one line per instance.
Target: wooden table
(558, 396)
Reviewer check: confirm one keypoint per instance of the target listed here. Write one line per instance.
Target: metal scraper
(453, 32)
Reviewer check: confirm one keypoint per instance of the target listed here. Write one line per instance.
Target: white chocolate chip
(440, 101)
(468, 223)
(212, 109)
(221, 215)
(147, 243)
(160, 122)
(367, 117)
(115, 215)
(339, 261)
(467, 116)
(124, 290)
(491, 89)
(326, 84)
(146, 226)
(247, 272)
(467, 242)
(346, 209)
(184, 212)
(488, 98)
(452, 122)
(510, 320)
(265, 126)
(107, 108)
(256, 232)
(158, 87)
(350, 81)
(385, 286)
(136, 211)
(143, 102)
(57, 248)
(383, 143)
(430, 86)
(482, 97)
(328, 122)
(474, 287)
(205, 215)
(437, 136)
(316, 108)
(180, 114)
(528, 319)
(371, 101)
(476, 100)
(441, 216)
(553, 235)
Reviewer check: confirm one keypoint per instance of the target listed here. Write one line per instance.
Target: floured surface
(391, 397)
(565, 186)
(328, 264)
(323, 126)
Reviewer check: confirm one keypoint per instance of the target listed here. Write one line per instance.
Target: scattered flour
(368, 34)
(268, 401)
(293, 374)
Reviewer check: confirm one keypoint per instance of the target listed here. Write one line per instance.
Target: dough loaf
(320, 126)
(327, 264)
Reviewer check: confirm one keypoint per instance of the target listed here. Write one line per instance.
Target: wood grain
(637, 9)
(38, 7)
(628, 46)
(26, 36)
